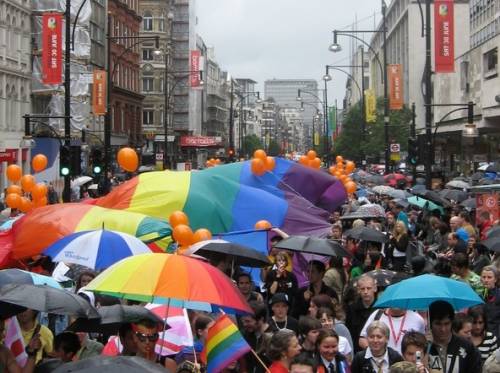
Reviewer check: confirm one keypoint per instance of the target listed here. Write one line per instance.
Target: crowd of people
(330, 324)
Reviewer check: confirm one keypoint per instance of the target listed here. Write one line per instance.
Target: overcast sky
(265, 39)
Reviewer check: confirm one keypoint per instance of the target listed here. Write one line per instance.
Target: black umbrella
(492, 243)
(383, 277)
(312, 245)
(366, 234)
(436, 198)
(469, 203)
(47, 299)
(493, 232)
(242, 255)
(112, 317)
(107, 364)
(453, 195)
(375, 179)
(476, 176)
(495, 167)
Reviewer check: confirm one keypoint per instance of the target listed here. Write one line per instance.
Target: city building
(157, 21)
(15, 82)
(125, 97)
(476, 80)
(354, 83)
(245, 112)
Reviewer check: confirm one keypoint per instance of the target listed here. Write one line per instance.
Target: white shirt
(327, 364)
(384, 361)
(397, 329)
(344, 346)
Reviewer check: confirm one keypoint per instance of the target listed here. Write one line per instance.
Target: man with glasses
(145, 333)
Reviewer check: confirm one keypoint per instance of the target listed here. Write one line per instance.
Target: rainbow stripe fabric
(224, 345)
(225, 198)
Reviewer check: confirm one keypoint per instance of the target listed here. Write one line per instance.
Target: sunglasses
(147, 337)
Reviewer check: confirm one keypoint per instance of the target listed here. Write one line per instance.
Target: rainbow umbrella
(171, 279)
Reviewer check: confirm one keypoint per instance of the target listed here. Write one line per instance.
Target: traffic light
(96, 161)
(413, 156)
(230, 153)
(64, 161)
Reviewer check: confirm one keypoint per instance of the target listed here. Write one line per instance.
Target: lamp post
(109, 78)
(335, 47)
(166, 153)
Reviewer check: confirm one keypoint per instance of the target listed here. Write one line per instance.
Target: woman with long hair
(399, 242)
(484, 340)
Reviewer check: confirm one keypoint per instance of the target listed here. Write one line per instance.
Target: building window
(147, 21)
(147, 117)
(464, 76)
(161, 25)
(147, 84)
(147, 54)
(162, 84)
(490, 62)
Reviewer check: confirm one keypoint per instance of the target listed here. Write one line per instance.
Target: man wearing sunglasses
(145, 337)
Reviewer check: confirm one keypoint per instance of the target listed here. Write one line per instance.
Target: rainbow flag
(224, 345)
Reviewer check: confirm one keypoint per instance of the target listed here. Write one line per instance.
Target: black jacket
(462, 357)
(356, 316)
(362, 365)
(341, 364)
(301, 305)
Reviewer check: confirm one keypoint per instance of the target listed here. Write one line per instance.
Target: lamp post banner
(52, 60)
(195, 68)
(444, 31)
(99, 92)
(396, 87)
(371, 106)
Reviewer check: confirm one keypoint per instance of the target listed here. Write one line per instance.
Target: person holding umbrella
(449, 353)
(489, 279)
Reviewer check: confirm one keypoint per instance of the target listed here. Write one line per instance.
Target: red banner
(487, 205)
(199, 141)
(52, 48)
(395, 87)
(8, 155)
(444, 31)
(99, 92)
(195, 68)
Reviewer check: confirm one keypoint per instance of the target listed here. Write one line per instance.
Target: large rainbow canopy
(225, 198)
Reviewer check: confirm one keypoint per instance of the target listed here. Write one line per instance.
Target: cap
(462, 234)
(279, 298)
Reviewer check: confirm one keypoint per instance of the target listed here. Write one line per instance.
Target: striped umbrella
(176, 280)
(97, 249)
(18, 276)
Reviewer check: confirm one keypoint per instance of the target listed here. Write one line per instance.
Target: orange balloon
(315, 163)
(13, 200)
(202, 234)
(40, 202)
(26, 205)
(217, 161)
(28, 183)
(16, 189)
(178, 217)
(14, 172)
(128, 159)
(339, 158)
(332, 170)
(311, 154)
(183, 235)
(258, 166)
(263, 224)
(347, 180)
(39, 162)
(350, 166)
(343, 178)
(350, 187)
(338, 174)
(39, 191)
(270, 163)
(303, 160)
(261, 154)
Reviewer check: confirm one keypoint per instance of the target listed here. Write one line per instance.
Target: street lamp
(335, 47)
(325, 114)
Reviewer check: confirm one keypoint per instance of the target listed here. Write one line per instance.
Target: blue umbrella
(97, 249)
(18, 276)
(419, 292)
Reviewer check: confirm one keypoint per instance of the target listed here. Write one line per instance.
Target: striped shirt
(488, 346)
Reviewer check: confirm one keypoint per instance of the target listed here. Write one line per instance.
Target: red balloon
(178, 217)
(128, 159)
(13, 200)
(263, 224)
(39, 162)
(14, 172)
(258, 166)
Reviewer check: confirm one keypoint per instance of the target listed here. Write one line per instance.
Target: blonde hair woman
(398, 244)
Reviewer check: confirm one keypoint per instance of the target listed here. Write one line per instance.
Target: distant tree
(274, 148)
(250, 144)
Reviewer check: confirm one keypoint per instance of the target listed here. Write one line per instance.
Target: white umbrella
(458, 184)
(93, 187)
(79, 181)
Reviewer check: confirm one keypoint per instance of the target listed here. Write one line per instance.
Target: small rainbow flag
(224, 345)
